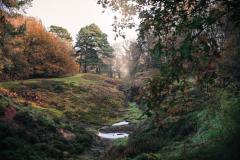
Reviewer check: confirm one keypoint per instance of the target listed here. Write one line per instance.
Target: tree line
(29, 50)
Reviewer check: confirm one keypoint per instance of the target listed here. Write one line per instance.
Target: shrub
(37, 53)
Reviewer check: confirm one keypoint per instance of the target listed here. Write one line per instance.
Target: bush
(37, 53)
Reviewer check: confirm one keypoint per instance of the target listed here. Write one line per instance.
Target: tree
(47, 55)
(196, 44)
(36, 52)
(134, 56)
(94, 47)
(9, 8)
(188, 38)
(27, 49)
(61, 33)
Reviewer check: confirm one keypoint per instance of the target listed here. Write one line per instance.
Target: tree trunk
(85, 67)
(98, 69)
(80, 66)
(110, 72)
(80, 63)
(119, 74)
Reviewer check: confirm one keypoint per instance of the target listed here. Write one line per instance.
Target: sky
(75, 14)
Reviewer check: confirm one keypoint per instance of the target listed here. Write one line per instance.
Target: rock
(67, 134)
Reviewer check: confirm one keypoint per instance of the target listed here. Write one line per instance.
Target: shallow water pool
(112, 135)
(121, 123)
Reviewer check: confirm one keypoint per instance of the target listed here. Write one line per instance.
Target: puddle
(121, 123)
(112, 135)
(117, 134)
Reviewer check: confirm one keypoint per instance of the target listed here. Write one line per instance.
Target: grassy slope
(44, 107)
(207, 128)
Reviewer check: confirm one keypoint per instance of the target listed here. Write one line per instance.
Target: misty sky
(74, 14)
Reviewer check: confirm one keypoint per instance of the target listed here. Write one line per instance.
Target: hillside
(193, 125)
(56, 118)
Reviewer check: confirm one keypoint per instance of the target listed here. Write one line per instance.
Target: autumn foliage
(36, 52)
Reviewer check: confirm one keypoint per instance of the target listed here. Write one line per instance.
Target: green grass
(84, 97)
(78, 79)
(43, 106)
(134, 114)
